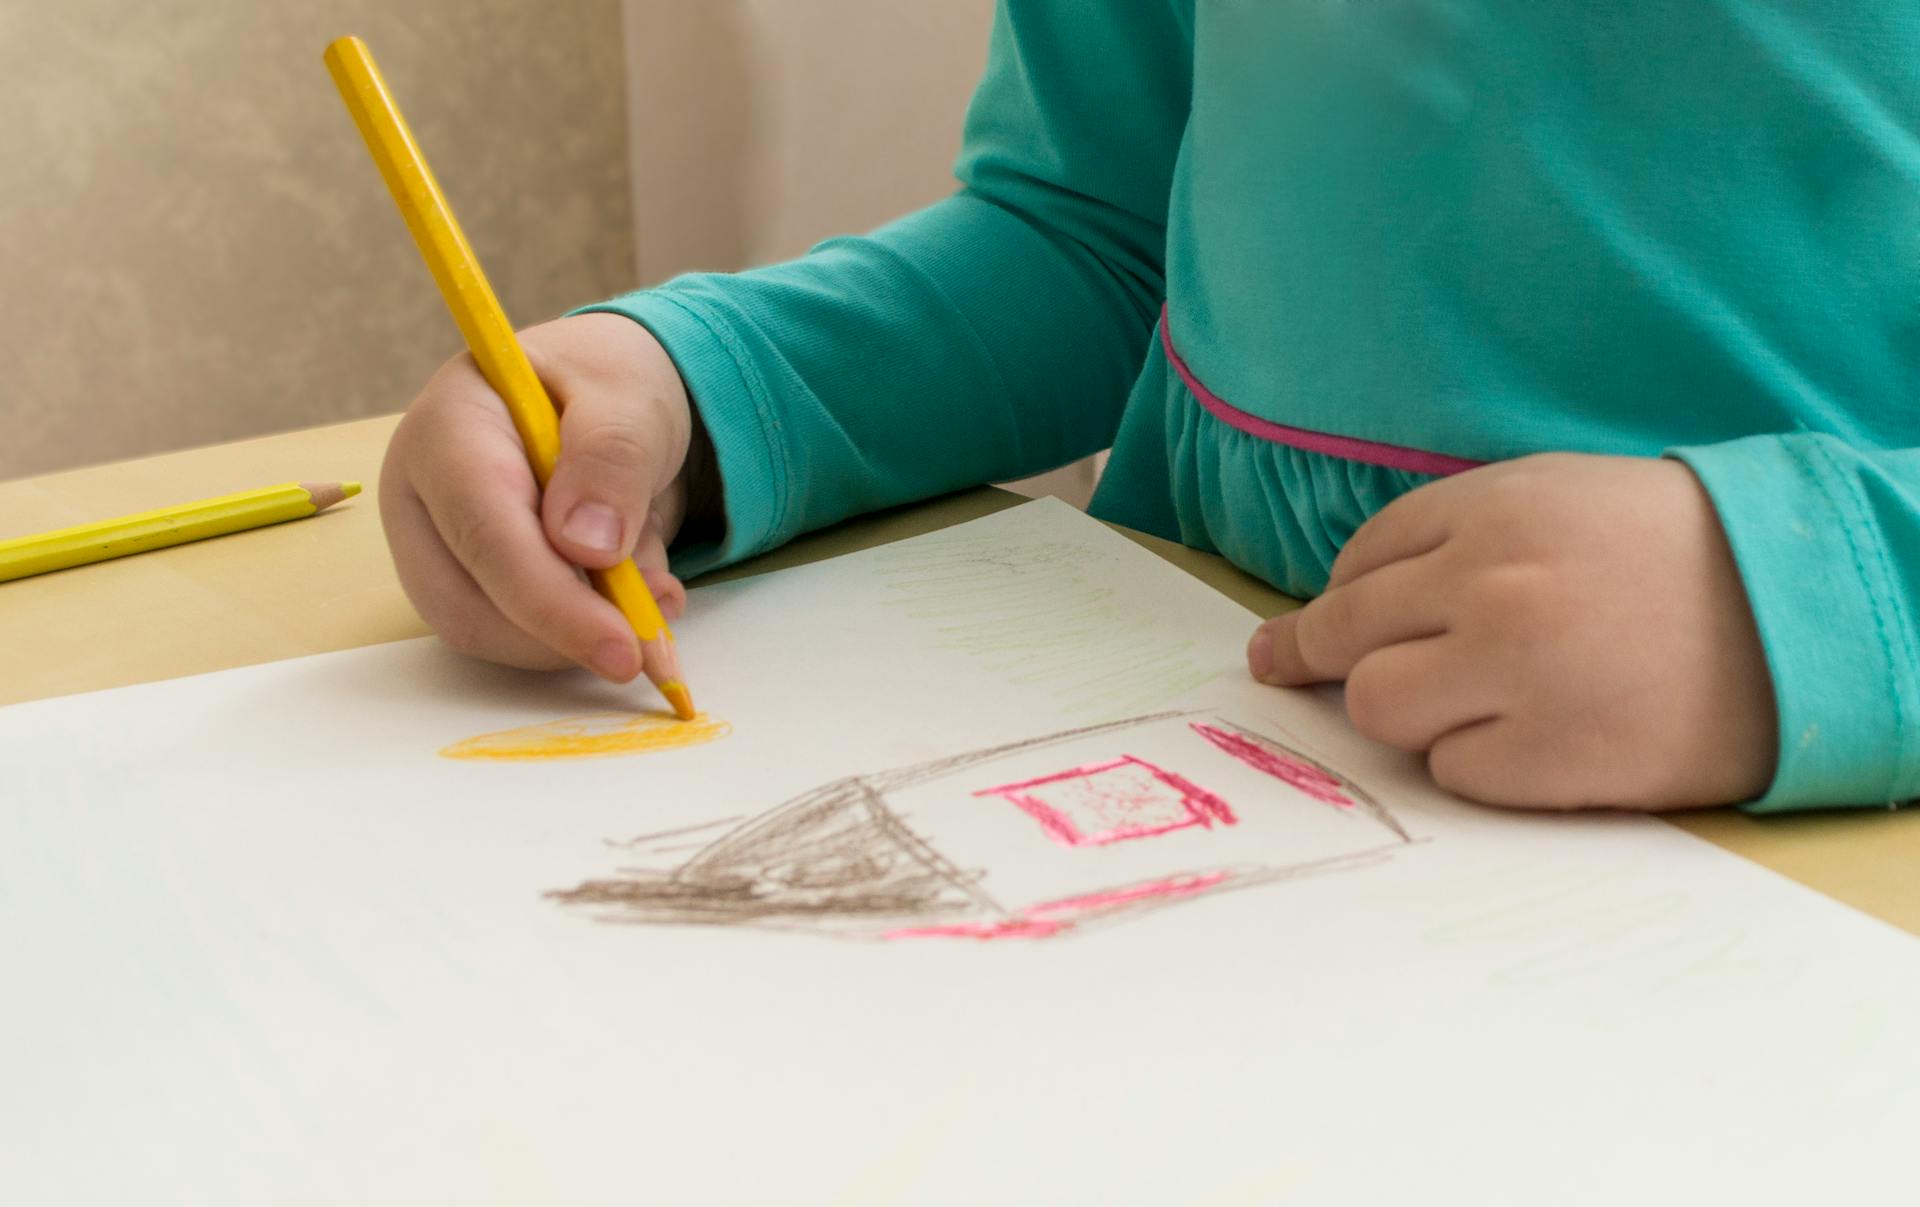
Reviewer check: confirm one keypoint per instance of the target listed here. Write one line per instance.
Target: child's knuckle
(1511, 595)
(1318, 632)
(463, 636)
(1371, 703)
(1456, 771)
(546, 618)
(612, 444)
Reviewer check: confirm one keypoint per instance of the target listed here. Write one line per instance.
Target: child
(1566, 352)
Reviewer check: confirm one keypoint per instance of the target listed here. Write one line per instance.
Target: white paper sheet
(264, 944)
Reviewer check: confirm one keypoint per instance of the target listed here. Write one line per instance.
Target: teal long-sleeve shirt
(1390, 240)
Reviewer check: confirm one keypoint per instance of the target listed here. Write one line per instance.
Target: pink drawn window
(1110, 802)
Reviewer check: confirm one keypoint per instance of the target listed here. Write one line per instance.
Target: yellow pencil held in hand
(128, 534)
(488, 334)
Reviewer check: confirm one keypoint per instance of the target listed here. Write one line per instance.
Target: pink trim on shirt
(1347, 448)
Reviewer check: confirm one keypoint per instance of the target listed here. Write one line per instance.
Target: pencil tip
(681, 699)
(326, 494)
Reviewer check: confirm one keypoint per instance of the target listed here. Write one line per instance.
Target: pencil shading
(599, 735)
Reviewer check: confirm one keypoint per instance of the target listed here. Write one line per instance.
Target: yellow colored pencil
(488, 334)
(85, 543)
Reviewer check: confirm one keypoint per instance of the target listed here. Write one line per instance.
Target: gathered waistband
(1348, 448)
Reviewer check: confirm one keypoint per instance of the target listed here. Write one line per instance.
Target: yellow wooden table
(325, 584)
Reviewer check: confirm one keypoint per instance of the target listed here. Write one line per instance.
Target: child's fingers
(650, 555)
(615, 454)
(1273, 652)
(496, 535)
(1411, 525)
(1322, 641)
(1496, 762)
(1410, 694)
(1514, 761)
(446, 595)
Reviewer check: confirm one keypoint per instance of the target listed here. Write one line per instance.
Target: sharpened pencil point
(681, 699)
(326, 494)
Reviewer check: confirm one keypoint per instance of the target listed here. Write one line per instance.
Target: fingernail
(594, 526)
(615, 660)
(1260, 655)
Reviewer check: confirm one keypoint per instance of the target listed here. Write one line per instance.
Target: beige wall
(762, 126)
(195, 247)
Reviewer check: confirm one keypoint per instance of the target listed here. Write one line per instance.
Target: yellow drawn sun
(601, 735)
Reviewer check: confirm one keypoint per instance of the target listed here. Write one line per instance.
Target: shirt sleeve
(1827, 538)
(993, 335)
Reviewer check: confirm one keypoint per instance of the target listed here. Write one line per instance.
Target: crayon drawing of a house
(1031, 840)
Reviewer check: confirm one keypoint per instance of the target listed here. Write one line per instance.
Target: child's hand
(1558, 630)
(486, 560)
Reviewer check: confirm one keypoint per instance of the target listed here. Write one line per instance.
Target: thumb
(615, 455)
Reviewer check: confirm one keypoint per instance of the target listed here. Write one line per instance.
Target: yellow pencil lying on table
(128, 534)
(488, 333)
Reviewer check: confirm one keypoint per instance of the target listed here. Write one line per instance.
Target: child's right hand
(491, 564)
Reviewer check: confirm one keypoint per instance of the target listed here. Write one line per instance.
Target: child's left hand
(1557, 631)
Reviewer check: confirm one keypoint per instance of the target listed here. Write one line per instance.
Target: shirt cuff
(1814, 568)
(736, 409)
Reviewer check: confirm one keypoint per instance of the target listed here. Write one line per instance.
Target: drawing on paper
(601, 735)
(1072, 830)
(1112, 801)
(1310, 778)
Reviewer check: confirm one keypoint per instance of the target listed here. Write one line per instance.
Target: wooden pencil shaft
(476, 309)
(626, 590)
(167, 517)
(450, 258)
(162, 528)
